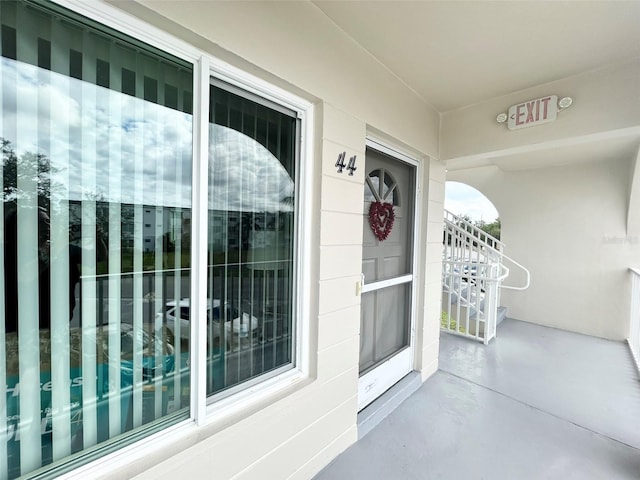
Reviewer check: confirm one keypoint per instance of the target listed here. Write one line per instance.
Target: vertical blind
(96, 133)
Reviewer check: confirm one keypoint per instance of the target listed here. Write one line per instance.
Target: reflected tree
(38, 166)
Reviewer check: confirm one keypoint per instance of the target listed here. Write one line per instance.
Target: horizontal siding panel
(342, 128)
(224, 455)
(340, 195)
(302, 447)
(340, 261)
(340, 229)
(338, 326)
(340, 358)
(330, 152)
(338, 294)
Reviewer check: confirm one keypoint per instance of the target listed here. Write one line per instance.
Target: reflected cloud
(244, 175)
(108, 145)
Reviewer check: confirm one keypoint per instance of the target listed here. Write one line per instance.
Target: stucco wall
(294, 433)
(567, 225)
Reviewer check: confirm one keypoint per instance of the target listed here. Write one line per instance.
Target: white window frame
(206, 66)
(304, 110)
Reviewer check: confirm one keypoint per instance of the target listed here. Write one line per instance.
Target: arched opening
(469, 203)
(472, 254)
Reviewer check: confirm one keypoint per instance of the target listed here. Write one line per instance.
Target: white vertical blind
(116, 117)
(155, 82)
(60, 259)
(28, 331)
(177, 282)
(177, 81)
(89, 240)
(138, 293)
(28, 260)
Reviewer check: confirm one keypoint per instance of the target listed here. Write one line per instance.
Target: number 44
(351, 166)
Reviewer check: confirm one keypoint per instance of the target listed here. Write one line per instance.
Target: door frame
(377, 381)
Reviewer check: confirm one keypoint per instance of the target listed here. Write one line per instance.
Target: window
(96, 130)
(380, 184)
(251, 237)
(96, 138)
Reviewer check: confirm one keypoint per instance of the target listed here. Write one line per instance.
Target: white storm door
(386, 353)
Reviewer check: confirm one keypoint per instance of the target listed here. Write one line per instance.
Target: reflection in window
(251, 235)
(96, 187)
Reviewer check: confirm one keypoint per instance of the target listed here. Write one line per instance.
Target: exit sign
(533, 112)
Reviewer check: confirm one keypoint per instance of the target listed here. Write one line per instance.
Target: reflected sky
(105, 145)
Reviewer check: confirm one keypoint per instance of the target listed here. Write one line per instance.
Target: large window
(96, 200)
(96, 317)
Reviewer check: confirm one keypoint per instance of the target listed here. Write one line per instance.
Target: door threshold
(386, 403)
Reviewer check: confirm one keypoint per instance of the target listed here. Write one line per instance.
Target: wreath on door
(381, 218)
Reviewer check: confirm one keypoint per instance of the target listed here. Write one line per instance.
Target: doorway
(386, 350)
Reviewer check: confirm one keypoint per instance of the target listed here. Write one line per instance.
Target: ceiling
(458, 53)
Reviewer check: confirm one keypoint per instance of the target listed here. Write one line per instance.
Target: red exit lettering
(533, 112)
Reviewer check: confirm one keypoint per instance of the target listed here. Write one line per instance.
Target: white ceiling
(458, 53)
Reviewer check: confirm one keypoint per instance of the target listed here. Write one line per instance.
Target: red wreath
(381, 218)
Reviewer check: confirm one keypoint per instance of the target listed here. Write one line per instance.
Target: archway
(472, 254)
(469, 203)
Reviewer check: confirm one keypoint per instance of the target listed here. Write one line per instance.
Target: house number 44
(351, 166)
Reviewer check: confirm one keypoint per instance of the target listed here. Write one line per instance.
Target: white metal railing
(634, 337)
(470, 296)
(472, 276)
(467, 239)
(527, 281)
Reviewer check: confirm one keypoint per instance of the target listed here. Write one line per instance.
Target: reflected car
(237, 325)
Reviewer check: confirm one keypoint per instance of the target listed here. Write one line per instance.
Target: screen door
(385, 325)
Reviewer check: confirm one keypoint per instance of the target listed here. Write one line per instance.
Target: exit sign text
(533, 112)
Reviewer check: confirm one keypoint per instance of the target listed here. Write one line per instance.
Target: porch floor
(537, 403)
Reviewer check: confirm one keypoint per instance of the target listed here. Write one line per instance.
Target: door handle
(360, 285)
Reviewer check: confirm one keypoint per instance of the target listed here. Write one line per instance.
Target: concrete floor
(537, 403)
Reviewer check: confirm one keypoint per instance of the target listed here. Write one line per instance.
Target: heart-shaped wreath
(381, 218)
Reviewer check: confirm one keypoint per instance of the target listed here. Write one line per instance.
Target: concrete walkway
(537, 403)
